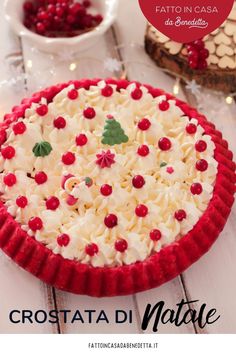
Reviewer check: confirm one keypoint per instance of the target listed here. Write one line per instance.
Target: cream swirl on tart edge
(152, 190)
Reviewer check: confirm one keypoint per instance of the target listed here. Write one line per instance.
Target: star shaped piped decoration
(105, 159)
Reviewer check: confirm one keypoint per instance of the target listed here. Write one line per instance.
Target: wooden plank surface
(211, 280)
(19, 290)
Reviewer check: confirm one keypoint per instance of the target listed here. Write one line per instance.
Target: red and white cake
(110, 187)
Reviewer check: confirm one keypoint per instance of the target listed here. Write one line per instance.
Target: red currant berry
(91, 249)
(193, 63)
(21, 202)
(121, 245)
(191, 128)
(193, 55)
(42, 110)
(111, 221)
(204, 53)
(89, 113)
(19, 128)
(196, 188)
(144, 124)
(70, 19)
(63, 240)
(180, 215)
(41, 178)
(28, 7)
(40, 28)
(87, 3)
(202, 64)
(201, 146)
(143, 150)
(8, 152)
(141, 211)
(59, 123)
(60, 11)
(137, 94)
(199, 44)
(10, 180)
(106, 190)
(164, 144)
(52, 9)
(98, 18)
(73, 94)
(155, 235)
(164, 106)
(52, 203)
(107, 91)
(81, 140)
(202, 165)
(35, 224)
(42, 16)
(68, 158)
(138, 182)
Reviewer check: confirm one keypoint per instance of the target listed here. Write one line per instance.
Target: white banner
(118, 344)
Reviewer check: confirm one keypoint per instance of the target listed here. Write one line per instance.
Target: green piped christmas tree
(113, 133)
(42, 149)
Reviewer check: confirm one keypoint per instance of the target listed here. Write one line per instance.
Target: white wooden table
(212, 280)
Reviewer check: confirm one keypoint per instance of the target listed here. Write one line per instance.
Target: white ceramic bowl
(14, 15)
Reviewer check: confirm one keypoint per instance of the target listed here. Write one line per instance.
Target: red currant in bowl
(53, 25)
